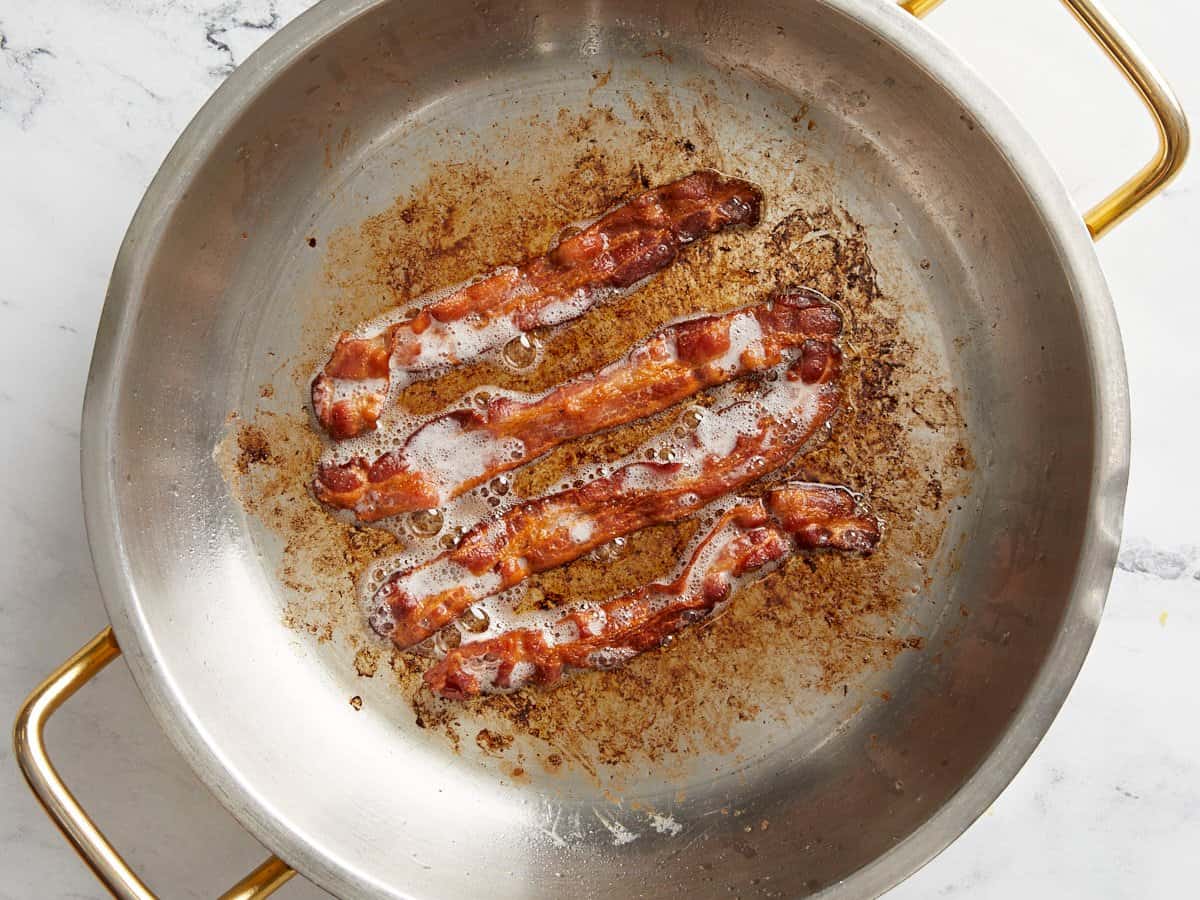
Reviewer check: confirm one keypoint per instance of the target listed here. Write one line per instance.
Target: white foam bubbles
(709, 433)
(744, 332)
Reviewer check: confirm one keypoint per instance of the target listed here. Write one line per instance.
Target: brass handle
(1160, 100)
(64, 809)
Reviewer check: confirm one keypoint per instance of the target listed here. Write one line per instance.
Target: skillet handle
(1160, 101)
(61, 805)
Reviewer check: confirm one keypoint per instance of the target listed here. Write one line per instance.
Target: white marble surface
(93, 92)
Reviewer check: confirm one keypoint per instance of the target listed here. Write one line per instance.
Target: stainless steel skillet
(359, 802)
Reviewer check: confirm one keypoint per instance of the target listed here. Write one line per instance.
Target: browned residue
(493, 741)
(366, 662)
(271, 459)
(253, 447)
(815, 625)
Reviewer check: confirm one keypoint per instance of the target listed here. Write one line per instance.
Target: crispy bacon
(750, 537)
(730, 448)
(672, 365)
(622, 247)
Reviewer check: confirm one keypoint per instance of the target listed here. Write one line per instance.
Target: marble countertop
(93, 93)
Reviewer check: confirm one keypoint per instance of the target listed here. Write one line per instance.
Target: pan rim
(1048, 690)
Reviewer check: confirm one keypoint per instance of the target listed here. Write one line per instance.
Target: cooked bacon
(622, 247)
(730, 448)
(751, 537)
(672, 365)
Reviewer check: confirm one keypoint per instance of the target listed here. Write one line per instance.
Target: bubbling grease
(438, 443)
(444, 345)
(713, 432)
(697, 558)
(442, 446)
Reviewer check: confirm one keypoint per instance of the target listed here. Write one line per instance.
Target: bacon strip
(624, 246)
(753, 536)
(673, 364)
(730, 448)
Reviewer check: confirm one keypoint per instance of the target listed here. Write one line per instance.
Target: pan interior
(502, 128)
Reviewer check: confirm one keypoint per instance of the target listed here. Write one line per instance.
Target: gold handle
(1160, 100)
(75, 824)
